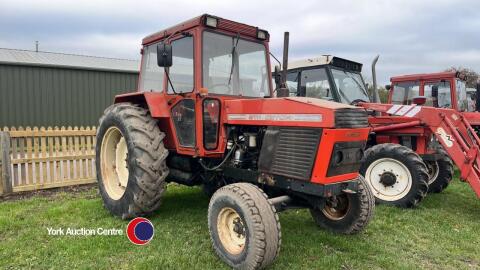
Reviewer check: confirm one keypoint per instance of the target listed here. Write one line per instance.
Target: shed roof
(63, 60)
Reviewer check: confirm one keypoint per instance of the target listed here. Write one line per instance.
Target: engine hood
(291, 111)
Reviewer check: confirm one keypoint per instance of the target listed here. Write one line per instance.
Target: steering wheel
(227, 86)
(356, 101)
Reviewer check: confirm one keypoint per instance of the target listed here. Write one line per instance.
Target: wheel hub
(238, 227)
(433, 171)
(231, 231)
(388, 179)
(337, 207)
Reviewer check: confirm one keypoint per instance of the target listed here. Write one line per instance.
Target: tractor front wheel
(244, 226)
(440, 172)
(130, 161)
(395, 174)
(347, 213)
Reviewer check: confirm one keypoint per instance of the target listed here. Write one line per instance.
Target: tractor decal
(414, 111)
(404, 110)
(447, 139)
(277, 117)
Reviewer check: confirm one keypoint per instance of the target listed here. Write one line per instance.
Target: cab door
(182, 85)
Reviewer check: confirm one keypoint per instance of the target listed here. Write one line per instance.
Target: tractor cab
(440, 90)
(329, 78)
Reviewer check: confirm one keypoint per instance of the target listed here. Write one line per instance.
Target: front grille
(289, 152)
(351, 118)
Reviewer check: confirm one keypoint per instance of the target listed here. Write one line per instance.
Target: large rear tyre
(395, 174)
(130, 161)
(440, 172)
(347, 213)
(244, 226)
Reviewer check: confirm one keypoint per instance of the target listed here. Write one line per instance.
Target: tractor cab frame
(327, 77)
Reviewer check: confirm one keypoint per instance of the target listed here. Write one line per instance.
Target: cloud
(411, 36)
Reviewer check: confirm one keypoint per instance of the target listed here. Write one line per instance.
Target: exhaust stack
(375, 96)
(477, 98)
(283, 90)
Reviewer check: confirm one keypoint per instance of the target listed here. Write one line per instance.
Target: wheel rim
(379, 176)
(231, 231)
(113, 162)
(433, 170)
(336, 207)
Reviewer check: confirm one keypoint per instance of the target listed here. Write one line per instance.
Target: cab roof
(425, 76)
(326, 60)
(222, 24)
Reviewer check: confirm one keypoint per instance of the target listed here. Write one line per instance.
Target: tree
(471, 76)
(382, 92)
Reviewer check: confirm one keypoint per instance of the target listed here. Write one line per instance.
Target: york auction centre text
(84, 231)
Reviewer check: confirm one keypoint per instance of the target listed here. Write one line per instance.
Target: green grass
(442, 233)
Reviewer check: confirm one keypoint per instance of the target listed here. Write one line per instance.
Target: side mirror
(164, 55)
(388, 87)
(419, 100)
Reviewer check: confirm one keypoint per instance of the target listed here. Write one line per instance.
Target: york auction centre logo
(140, 231)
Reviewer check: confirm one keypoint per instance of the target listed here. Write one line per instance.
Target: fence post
(5, 177)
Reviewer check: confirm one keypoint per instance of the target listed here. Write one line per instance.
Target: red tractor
(204, 114)
(403, 158)
(440, 90)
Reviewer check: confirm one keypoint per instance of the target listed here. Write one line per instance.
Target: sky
(410, 36)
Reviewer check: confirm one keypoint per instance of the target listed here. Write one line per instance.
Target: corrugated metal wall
(43, 96)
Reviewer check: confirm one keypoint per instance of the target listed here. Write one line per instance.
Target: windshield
(350, 86)
(233, 66)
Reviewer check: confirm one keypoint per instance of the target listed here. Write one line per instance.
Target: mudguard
(157, 102)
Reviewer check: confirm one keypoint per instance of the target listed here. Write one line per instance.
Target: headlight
(211, 21)
(262, 34)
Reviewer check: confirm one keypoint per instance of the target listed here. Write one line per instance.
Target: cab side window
(404, 92)
(462, 102)
(315, 84)
(181, 72)
(151, 78)
(292, 83)
(443, 98)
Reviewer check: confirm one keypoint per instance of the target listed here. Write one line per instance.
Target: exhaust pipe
(283, 90)
(477, 98)
(375, 96)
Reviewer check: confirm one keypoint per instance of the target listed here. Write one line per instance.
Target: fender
(157, 102)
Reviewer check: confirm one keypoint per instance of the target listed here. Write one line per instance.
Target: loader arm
(450, 128)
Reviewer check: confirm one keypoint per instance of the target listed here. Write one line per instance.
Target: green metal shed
(54, 89)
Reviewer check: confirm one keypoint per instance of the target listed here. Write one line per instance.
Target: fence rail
(41, 158)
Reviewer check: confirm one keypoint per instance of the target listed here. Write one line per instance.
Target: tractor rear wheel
(395, 174)
(130, 161)
(347, 213)
(440, 172)
(244, 226)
